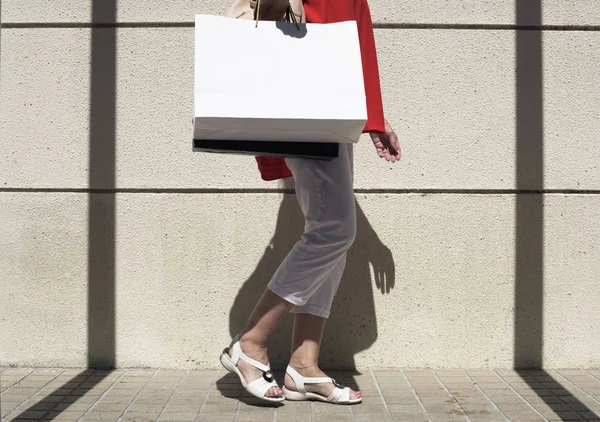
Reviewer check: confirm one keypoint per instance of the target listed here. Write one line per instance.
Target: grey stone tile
(140, 415)
(63, 416)
(217, 417)
(177, 417)
(183, 408)
(445, 417)
(400, 400)
(327, 408)
(101, 416)
(405, 408)
(523, 416)
(370, 417)
(514, 407)
(589, 415)
(410, 417)
(146, 408)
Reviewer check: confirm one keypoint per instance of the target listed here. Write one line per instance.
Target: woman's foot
(323, 389)
(250, 373)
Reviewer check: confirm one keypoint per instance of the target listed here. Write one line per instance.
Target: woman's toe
(274, 392)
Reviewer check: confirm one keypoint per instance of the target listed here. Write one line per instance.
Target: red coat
(328, 11)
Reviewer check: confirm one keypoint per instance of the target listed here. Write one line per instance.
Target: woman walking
(307, 280)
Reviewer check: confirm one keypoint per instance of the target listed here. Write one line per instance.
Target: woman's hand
(386, 144)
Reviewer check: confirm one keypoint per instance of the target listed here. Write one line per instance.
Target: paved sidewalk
(389, 395)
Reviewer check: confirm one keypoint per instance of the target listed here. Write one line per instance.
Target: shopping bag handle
(289, 13)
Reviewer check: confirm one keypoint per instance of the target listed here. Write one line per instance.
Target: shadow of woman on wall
(352, 326)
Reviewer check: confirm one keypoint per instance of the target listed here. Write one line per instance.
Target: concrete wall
(119, 246)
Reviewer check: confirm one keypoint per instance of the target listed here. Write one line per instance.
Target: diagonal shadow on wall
(101, 221)
(529, 250)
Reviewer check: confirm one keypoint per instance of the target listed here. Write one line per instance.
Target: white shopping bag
(276, 82)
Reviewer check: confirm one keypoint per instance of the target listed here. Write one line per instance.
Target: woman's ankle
(252, 344)
(303, 364)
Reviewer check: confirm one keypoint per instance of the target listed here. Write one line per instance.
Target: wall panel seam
(279, 191)
(377, 25)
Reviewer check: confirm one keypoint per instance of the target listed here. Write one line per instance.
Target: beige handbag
(269, 10)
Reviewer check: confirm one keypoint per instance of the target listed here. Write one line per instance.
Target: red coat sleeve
(376, 119)
(328, 11)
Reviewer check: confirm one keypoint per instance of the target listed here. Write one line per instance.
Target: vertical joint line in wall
(387, 409)
(486, 396)
(456, 403)
(175, 390)
(412, 388)
(520, 396)
(210, 388)
(103, 395)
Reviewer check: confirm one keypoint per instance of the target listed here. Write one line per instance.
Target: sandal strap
(340, 395)
(260, 386)
(239, 354)
(317, 380)
(301, 381)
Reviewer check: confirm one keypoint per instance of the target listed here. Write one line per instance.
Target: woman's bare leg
(254, 339)
(306, 343)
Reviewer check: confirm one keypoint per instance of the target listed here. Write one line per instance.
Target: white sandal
(258, 387)
(341, 394)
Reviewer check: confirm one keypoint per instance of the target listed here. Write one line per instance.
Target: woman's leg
(306, 342)
(308, 278)
(254, 339)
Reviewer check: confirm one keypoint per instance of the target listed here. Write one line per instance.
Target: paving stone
(146, 408)
(74, 407)
(565, 416)
(369, 417)
(102, 416)
(141, 416)
(80, 399)
(221, 407)
(430, 400)
(528, 419)
(322, 408)
(43, 406)
(45, 399)
(544, 407)
(410, 417)
(401, 400)
(589, 415)
(183, 408)
(445, 417)
(296, 418)
(63, 416)
(578, 407)
(513, 407)
(172, 417)
(545, 399)
(405, 408)
(216, 417)
(111, 408)
(441, 408)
